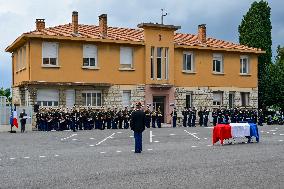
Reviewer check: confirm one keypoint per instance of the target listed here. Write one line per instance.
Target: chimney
(202, 33)
(75, 22)
(103, 25)
(40, 24)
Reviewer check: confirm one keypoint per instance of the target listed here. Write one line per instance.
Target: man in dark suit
(23, 120)
(138, 126)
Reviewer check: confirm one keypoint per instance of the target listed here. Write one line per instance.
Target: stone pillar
(62, 97)
(78, 97)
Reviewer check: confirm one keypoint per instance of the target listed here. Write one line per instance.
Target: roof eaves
(219, 49)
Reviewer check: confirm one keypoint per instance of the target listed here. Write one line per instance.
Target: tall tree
(277, 77)
(255, 31)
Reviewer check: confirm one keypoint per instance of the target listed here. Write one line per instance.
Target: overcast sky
(222, 18)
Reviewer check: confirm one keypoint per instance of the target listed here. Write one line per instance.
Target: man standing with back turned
(137, 124)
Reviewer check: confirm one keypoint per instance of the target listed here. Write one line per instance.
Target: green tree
(277, 79)
(6, 92)
(255, 31)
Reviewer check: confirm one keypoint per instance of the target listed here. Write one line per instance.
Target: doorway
(159, 101)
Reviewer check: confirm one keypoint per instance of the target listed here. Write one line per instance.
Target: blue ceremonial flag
(11, 116)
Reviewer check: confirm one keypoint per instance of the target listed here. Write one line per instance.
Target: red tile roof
(136, 35)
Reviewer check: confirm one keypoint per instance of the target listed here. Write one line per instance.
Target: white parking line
(132, 150)
(205, 138)
(105, 139)
(281, 134)
(27, 157)
(272, 130)
(118, 151)
(172, 134)
(12, 158)
(273, 133)
(192, 134)
(56, 155)
(92, 138)
(149, 149)
(193, 146)
(91, 145)
(280, 140)
(131, 136)
(119, 132)
(151, 136)
(74, 139)
(267, 132)
(42, 156)
(102, 152)
(156, 141)
(209, 145)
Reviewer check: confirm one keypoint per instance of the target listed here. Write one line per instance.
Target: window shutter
(89, 51)
(47, 95)
(49, 50)
(126, 55)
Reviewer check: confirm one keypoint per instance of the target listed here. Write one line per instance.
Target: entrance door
(159, 101)
(231, 100)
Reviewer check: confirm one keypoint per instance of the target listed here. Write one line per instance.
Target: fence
(5, 113)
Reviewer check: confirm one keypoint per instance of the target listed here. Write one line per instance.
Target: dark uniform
(174, 117)
(200, 115)
(184, 114)
(148, 117)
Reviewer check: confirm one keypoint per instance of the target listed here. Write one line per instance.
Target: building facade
(97, 66)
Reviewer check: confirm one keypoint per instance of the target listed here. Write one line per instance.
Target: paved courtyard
(171, 158)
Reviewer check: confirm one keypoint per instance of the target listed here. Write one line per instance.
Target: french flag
(13, 118)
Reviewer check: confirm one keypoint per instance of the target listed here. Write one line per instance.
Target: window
(217, 98)
(126, 95)
(23, 62)
(188, 61)
(218, 63)
(126, 57)
(92, 98)
(152, 62)
(231, 100)
(47, 97)
(166, 63)
(49, 54)
(19, 61)
(159, 62)
(188, 100)
(89, 55)
(244, 65)
(245, 98)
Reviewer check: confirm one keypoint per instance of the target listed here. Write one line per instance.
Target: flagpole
(11, 122)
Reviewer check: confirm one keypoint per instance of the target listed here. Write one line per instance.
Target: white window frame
(246, 100)
(216, 102)
(123, 63)
(124, 103)
(218, 57)
(161, 58)
(184, 61)
(166, 63)
(89, 56)
(242, 58)
(44, 44)
(152, 62)
(93, 92)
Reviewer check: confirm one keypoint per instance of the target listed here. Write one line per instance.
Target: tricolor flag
(13, 118)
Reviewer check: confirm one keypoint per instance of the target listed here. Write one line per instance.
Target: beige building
(99, 65)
